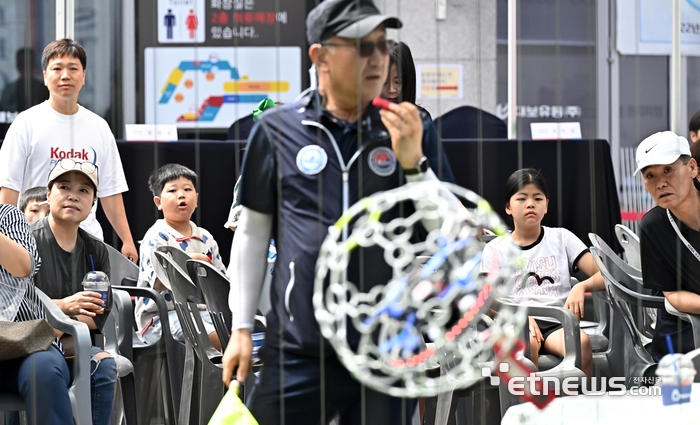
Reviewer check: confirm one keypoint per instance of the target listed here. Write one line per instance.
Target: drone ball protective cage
(438, 291)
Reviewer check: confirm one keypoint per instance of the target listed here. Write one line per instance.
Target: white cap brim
(657, 160)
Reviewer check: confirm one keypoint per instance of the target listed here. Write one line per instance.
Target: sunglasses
(69, 164)
(366, 48)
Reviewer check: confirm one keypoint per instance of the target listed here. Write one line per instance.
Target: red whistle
(381, 103)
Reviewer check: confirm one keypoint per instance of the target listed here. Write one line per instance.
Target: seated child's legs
(555, 344)
(535, 347)
(586, 354)
(546, 328)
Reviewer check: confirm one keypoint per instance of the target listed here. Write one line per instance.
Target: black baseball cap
(347, 19)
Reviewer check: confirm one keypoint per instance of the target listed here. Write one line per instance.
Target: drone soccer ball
(437, 291)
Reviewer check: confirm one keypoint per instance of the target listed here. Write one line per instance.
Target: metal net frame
(437, 292)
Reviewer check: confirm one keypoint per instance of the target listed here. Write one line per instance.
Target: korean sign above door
(255, 23)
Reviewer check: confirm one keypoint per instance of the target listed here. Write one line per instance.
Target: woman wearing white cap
(67, 254)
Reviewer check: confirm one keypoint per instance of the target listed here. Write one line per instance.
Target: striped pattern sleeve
(13, 224)
(31, 307)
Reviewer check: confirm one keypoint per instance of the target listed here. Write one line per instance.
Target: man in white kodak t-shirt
(60, 128)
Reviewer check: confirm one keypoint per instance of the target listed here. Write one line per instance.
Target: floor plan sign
(211, 87)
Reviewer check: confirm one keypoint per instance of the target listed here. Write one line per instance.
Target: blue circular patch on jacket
(311, 160)
(382, 161)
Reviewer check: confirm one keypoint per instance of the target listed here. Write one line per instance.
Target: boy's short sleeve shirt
(547, 264)
(161, 234)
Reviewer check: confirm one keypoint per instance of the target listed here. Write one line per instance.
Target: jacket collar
(310, 105)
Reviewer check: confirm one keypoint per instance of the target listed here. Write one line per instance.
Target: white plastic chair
(79, 390)
(630, 242)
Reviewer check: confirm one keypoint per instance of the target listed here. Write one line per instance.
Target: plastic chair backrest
(123, 313)
(202, 379)
(215, 287)
(121, 267)
(630, 277)
(147, 359)
(179, 256)
(630, 242)
(118, 334)
(186, 296)
(628, 300)
(602, 311)
(622, 272)
(625, 302)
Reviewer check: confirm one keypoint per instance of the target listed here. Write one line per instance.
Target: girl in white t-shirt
(549, 256)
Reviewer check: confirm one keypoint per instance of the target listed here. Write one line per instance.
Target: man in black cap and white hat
(306, 163)
(670, 235)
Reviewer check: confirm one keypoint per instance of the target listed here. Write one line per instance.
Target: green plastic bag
(231, 410)
(263, 106)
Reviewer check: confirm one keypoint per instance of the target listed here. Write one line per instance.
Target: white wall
(467, 37)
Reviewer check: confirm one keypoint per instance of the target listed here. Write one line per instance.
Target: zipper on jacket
(345, 168)
(288, 291)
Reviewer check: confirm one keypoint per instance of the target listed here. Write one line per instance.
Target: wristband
(421, 167)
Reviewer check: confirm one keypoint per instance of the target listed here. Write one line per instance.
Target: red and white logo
(58, 153)
(382, 161)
